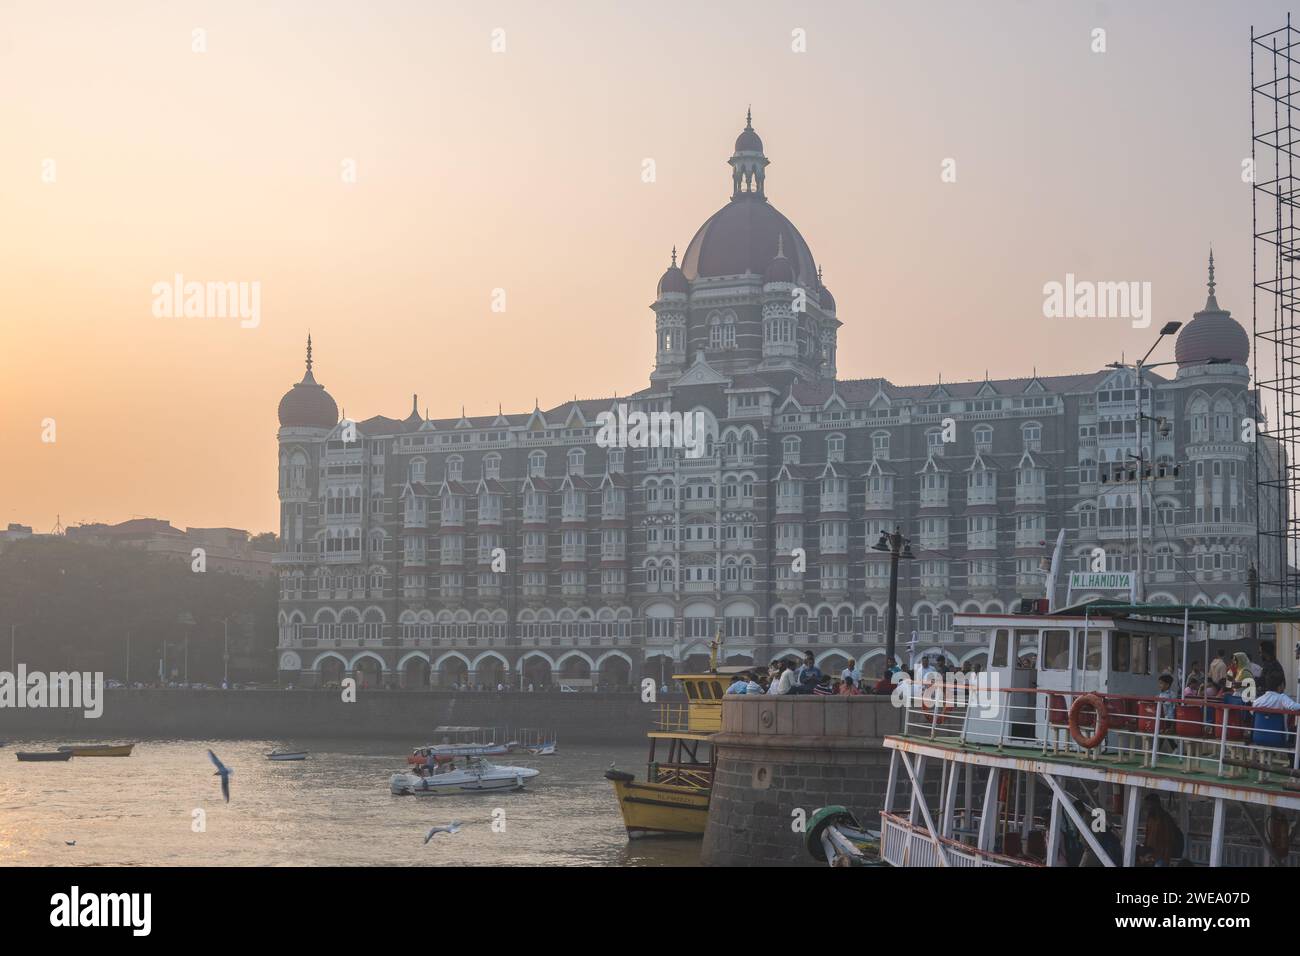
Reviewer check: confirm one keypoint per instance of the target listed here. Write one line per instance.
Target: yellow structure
(674, 799)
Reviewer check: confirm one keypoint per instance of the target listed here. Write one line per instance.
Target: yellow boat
(100, 750)
(674, 799)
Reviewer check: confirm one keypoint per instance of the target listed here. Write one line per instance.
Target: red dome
(1212, 334)
(741, 237)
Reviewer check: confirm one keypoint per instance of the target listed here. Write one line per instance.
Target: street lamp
(1169, 328)
(896, 546)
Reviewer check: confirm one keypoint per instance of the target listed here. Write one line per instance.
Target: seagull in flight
(453, 827)
(224, 773)
(70, 842)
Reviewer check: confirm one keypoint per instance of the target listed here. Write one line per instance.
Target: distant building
(621, 562)
(226, 550)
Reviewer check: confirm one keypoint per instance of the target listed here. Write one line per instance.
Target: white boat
(474, 774)
(543, 750)
(287, 755)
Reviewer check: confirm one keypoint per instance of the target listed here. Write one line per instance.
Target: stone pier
(778, 755)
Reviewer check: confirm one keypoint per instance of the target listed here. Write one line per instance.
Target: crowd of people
(1262, 684)
(786, 676)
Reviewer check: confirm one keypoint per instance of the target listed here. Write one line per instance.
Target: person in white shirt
(1275, 698)
(851, 672)
(787, 680)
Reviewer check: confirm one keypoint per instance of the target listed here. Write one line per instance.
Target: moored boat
(674, 799)
(99, 750)
(473, 775)
(287, 755)
(44, 756)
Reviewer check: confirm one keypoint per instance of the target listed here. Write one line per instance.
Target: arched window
(790, 450)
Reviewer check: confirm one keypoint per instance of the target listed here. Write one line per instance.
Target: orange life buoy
(1103, 720)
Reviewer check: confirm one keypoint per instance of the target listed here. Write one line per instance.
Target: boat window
(1001, 644)
(1164, 648)
(1139, 662)
(691, 690)
(1087, 656)
(1119, 653)
(1026, 650)
(1056, 650)
(717, 690)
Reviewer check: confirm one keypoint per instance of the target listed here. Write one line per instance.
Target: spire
(1211, 303)
(819, 274)
(309, 334)
(674, 265)
(749, 117)
(780, 246)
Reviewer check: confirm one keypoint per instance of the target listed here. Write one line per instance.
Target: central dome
(742, 237)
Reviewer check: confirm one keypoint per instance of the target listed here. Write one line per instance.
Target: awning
(1207, 613)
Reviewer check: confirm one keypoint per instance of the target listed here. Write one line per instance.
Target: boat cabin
(1073, 654)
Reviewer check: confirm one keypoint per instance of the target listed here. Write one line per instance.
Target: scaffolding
(1275, 300)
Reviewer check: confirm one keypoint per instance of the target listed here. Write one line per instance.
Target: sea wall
(779, 755)
(408, 715)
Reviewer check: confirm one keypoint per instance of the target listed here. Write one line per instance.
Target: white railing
(1221, 737)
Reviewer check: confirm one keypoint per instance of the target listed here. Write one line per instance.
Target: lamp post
(1169, 328)
(896, 546)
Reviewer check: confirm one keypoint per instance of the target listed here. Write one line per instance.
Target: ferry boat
(1069, 757)
(673, 801)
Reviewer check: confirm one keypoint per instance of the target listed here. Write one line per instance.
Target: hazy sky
(522, 170)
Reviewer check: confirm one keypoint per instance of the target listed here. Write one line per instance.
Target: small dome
(307, 404)
(1212, 334)
(748, 141)
(826, 300)
(779, 269)
(673, 279)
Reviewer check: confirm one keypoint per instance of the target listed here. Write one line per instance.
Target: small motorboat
(474, 775)
(287, 755)
(30, 756)
(543, 750)
(99, 750)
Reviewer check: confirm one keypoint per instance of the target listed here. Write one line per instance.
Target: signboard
(1102, 581)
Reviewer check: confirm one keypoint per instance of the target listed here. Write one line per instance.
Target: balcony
(789, 504)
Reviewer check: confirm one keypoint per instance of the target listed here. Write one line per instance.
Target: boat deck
(1171, 772)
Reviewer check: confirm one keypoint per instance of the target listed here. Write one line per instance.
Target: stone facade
(780, 759)
(523, 548)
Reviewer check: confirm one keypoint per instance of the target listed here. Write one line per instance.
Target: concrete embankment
(781, 755)
(408, 715)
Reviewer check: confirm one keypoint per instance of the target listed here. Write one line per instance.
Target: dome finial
(749, 117)
(308, 353)
(819, 274)
(1210, 284)
(674, 265)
